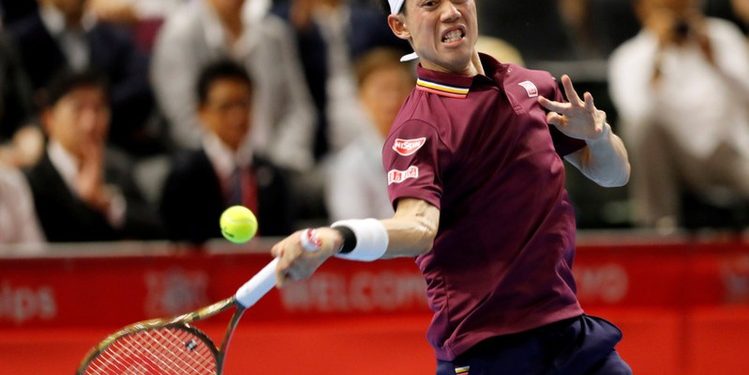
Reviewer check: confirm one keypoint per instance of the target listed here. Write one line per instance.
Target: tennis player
(475, 172)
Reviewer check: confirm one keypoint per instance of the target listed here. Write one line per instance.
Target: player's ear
(398, 25)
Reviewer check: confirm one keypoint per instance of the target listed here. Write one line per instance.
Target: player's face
(226, 112)
(443, 33)
(79, 120)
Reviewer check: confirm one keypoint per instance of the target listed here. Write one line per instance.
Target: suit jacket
(193, 200)
(111, 51)
(66, 218)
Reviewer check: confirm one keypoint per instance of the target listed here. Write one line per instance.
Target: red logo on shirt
(530, 88)
(396, 176)
(407, 147)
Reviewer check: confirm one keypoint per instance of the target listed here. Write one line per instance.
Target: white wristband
(371, 239)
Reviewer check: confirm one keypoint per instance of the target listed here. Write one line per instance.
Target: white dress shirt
(696, 103)
(356, 187)
(283, 114)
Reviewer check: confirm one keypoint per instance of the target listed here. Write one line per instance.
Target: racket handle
(258, 286)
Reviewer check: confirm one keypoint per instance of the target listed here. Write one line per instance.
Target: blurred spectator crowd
(145, 119)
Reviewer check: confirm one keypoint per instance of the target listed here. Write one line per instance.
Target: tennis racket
(172, 346)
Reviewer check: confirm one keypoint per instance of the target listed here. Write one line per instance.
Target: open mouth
(453, 35)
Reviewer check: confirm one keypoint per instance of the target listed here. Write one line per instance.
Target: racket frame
(181, 322)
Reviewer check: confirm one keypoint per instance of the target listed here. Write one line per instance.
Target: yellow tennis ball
(238, 224)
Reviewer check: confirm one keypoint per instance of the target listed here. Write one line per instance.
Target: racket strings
(164, 350)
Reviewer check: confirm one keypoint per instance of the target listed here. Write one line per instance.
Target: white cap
(410, 57)
(395, 6)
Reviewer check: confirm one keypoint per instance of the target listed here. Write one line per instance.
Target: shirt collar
(450, 84)
(223, 159)
(54, 20)
(64, 162)
(216, 36)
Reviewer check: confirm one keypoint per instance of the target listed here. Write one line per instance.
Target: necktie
(242, 189)
(234, 188)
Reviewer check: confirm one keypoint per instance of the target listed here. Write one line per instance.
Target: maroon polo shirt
(480, 149)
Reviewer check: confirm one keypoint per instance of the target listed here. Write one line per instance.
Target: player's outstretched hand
(297, 262)
(578, 118)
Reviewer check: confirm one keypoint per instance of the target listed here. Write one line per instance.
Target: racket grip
(258, 286)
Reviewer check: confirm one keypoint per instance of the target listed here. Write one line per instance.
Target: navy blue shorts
(579, 346)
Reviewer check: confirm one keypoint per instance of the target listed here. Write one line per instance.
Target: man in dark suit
(79, 194)
(224, 172)
(60, 35)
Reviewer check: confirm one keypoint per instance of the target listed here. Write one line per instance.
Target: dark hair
(68, 80)
(218, 70)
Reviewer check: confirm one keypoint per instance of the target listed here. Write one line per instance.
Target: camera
(682, 28)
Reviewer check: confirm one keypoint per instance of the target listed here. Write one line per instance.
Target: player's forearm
(409, 237)
(412, 229)
(605, 160)
(409, 233)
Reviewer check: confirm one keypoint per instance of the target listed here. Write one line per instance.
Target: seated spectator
(61, 35)
(142, 18)
(224, 172)
(681, 87)
(80, 191)
(357, 185)
(18, 222)
(203, 31)
(331, 35)
(25, 149)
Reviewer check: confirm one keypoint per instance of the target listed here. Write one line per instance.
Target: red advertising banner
(96, 290)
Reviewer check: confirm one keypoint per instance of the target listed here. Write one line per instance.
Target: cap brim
(410, 57)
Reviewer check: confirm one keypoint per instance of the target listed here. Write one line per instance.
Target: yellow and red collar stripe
(440, 89)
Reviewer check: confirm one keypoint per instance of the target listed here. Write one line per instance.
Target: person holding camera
(681, 87)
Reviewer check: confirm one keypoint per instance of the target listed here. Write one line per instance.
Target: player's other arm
(605, 159)
(410, 232)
